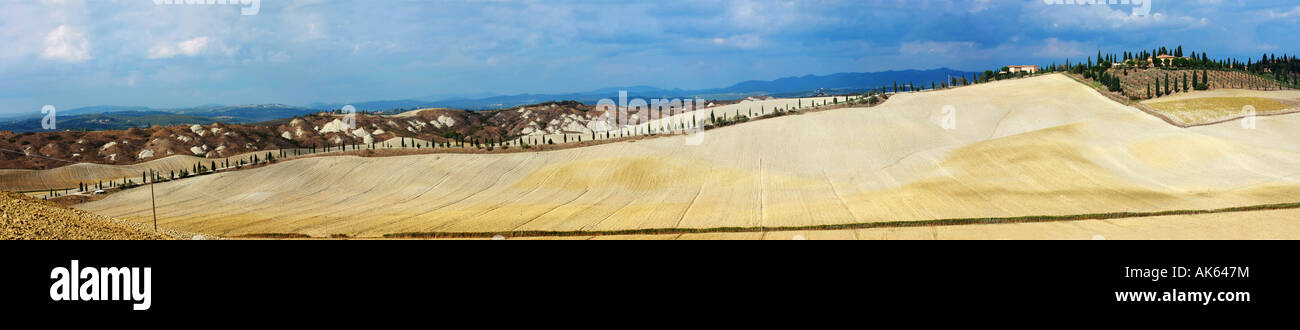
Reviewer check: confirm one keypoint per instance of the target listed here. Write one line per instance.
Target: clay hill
(46, 150)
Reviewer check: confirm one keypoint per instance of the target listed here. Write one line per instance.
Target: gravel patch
(25, 218)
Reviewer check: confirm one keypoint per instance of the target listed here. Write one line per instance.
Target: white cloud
(1105, 18)
(193, 46)
(278, 56)
(486, 46)
(980, 5)
(132, 78)
(1279, 14)
(65, 43)
(1055, 48)
(377, 47)
(744, 41)
(306, 24)
(770, 16)
(188, 48)
(932, 47)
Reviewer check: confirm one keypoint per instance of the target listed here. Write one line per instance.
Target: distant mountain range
(784, 87)
(116, 117)
(121, 117)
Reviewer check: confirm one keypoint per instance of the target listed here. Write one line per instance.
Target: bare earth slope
(1037, 146)
(27, 218)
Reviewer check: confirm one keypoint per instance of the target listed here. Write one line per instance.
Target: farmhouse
(1022, 68)
(1165, 60)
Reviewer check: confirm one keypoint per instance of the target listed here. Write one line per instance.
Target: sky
(70, 53)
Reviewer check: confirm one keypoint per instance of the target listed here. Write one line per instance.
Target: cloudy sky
(71, 53)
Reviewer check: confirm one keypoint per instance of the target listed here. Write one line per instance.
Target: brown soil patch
(26, 218)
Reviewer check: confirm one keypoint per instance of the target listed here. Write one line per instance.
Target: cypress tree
(1166, 83)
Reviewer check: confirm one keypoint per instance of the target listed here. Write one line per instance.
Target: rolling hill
(1043, 147)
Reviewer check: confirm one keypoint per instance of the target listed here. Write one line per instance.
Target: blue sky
(71, 53)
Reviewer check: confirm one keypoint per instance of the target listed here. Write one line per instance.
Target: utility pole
(153, 204)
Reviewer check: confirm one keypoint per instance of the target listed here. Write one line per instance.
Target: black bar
(834, 279)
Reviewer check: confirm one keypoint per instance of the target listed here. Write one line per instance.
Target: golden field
(1199, 108)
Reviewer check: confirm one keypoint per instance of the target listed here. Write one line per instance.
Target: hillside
(69, 159)
(1042, 146)
(1137, 83)
(55, 149)
(45, 150)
